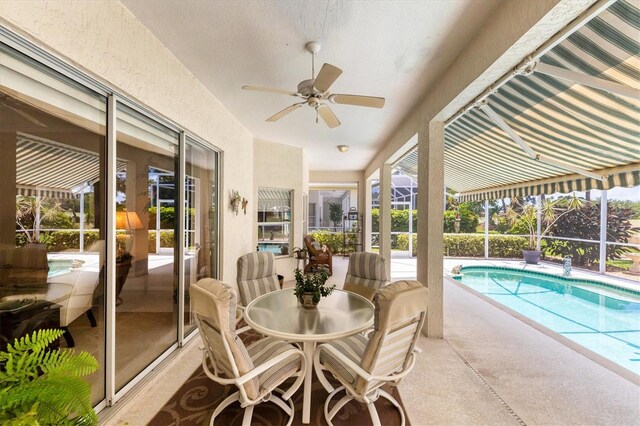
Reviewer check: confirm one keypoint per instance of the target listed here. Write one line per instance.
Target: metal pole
(486, 229)
(411, 218)
(82, 220)
(603, 232)
(538, 220)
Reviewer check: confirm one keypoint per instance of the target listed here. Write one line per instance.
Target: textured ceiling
(393, 49)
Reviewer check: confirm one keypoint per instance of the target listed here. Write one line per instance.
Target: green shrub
(334, 240)
(167, 240)
(500, 246)
(399, 220)
(468, 219)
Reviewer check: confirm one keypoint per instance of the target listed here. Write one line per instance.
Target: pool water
(598, 316)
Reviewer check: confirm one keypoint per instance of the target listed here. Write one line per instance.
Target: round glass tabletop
(279, 314)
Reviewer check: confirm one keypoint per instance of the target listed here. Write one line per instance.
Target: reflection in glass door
(200, 239)
(146, 284)
(52, 240)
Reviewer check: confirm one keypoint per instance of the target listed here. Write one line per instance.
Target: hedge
(459, 245)
(166, 240)
(334, 240)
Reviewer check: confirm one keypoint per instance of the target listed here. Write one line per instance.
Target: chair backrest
(83, 284)
(256, 275)
(214, 306)
(367, 269)
(400, 311)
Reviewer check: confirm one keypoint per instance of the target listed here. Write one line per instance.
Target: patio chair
(362, 365)
(257, 370)
(366, 274)
(256, 275)
(319, 256)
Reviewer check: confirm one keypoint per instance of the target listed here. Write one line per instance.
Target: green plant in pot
(311, 288)
(300, 252)
(43, 386)
(524, 217)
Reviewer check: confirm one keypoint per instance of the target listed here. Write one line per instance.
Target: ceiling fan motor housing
(305, 88)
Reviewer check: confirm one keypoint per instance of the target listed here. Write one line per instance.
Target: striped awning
(274, 198)
(50, 169)
(586, 127)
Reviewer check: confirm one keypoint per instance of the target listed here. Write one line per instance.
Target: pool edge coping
(576, 347)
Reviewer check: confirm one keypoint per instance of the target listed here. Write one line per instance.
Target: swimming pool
(598, 316)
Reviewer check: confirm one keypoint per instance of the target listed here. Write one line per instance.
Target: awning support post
(486, 228)
(603, 232)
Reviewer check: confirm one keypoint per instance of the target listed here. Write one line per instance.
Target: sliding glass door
(201, 212)
(146, 275)
(55, 253)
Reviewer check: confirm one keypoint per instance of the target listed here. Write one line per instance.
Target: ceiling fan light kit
(315, 92)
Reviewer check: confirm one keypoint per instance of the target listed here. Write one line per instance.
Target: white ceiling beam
(484, 106)
(587, 80)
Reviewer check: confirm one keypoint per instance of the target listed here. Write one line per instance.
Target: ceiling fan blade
(328, 116)
(270, 90)
(327, 75)
(284, 112)
(365, 101)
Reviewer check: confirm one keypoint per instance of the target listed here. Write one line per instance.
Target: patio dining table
(278, 314)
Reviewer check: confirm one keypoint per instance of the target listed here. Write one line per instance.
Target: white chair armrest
(267, 365)
(352, 365)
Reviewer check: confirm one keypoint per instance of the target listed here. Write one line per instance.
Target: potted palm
(311, 288)
(526, 216)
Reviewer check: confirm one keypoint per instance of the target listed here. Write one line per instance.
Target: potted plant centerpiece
(311, 288)
(525, 218)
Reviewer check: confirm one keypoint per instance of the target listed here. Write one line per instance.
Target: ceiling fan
(315, 92)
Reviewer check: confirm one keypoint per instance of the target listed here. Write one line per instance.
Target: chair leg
(68, 337)
(328, 415)
(392, 400)
(224, 404)
(92, 319)
(287, 408)
(374, 414)
(248, 413)
(320, 371)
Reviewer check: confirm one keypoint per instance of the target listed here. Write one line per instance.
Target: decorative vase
(531, 257)
(307, 301)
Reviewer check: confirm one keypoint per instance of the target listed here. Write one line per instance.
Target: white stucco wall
(281, 166)
(105, 40)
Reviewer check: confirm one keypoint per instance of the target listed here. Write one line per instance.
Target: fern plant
(42, 386)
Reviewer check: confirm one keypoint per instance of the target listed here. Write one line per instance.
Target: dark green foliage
(634, 206)
(167, 239)
(399, 220)
(312, 283)
(335, 213)
(43, 386)
(585, 224)
(62, 240)
(468, 219)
